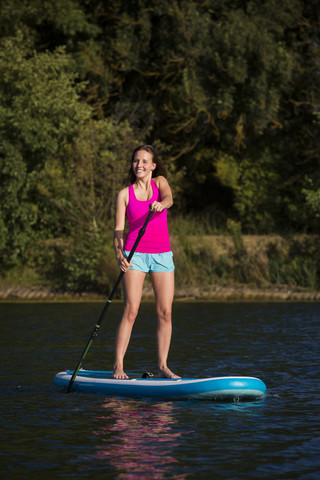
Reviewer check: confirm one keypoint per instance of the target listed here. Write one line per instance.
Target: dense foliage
(228, 90)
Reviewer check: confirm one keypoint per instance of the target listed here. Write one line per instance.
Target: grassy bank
(208, 266)
(256, 261)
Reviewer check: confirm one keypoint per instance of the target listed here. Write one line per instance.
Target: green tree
(82, 182)
(237, 78)
(39, 114)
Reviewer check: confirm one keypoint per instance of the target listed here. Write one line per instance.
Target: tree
(239, 79)
(84, 179)
(40, 113)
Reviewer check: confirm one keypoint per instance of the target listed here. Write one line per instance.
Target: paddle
(104, 311)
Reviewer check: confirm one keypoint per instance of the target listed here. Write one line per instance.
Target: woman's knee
(130, 313)
(164, 314)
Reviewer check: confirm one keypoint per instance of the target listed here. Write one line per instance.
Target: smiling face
(142, 164)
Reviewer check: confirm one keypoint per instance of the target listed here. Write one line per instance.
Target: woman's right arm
(120, 217)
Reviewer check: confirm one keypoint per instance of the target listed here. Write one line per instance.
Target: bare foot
(166, 373)
(119, 374)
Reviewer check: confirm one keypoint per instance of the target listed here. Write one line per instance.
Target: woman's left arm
(166, 195)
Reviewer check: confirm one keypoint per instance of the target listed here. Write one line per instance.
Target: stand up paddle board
(233, 388)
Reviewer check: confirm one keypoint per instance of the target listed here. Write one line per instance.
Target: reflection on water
(129, 434)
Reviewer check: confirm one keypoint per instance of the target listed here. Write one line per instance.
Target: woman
(149, 189)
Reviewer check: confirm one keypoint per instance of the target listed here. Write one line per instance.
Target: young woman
(149, 189)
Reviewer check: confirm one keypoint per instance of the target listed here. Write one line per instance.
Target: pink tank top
(156, 238)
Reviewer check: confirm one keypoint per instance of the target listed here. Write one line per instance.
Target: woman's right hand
(123, 263)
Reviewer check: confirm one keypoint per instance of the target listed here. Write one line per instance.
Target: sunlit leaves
(40, 112)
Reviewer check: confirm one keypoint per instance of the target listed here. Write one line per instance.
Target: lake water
(46, 434)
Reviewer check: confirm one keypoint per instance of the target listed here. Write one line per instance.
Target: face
(142, 164)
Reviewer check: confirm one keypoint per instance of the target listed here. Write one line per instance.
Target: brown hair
(160, 168)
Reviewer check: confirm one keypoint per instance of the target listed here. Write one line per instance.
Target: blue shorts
(152, 262)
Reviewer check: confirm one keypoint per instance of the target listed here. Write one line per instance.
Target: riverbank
(231, 267)
(213, 293)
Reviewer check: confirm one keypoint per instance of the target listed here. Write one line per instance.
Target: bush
(85, 266)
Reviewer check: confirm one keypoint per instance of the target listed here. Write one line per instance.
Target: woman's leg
(163, 286)
(132, 291)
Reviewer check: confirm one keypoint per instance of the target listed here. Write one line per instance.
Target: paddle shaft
(106, 306)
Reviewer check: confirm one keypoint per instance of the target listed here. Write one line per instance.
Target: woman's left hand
(157, 207)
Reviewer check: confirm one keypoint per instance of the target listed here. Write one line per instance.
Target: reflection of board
(233, 388)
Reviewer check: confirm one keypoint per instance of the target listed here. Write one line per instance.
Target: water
(47, 434)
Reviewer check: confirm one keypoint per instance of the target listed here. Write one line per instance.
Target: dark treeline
(228, 91)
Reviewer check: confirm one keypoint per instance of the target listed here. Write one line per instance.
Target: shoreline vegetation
(229, 267)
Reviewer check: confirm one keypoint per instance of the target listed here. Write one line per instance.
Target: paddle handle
(106, 306)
